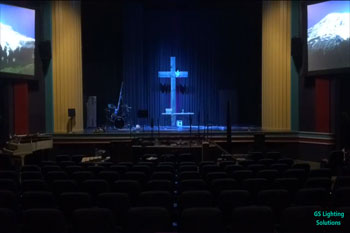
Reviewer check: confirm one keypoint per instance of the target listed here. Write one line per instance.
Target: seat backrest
(218, 185)
(38, 199)
(70, 201)
(160, 185)
(61, 186)
(156, 198)
(322, 172)
(193, 184)
(30, 168)
(33, 185)
(190, 199)
(187, 175)
(162, 176)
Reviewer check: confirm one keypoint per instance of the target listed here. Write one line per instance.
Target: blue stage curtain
(220, 60)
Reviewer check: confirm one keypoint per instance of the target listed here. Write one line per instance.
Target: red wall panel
(322, 105)
(20, 97)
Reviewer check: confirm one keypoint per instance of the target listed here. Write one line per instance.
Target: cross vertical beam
(173, 74)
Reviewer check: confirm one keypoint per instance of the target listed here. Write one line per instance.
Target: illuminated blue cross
(173, 75)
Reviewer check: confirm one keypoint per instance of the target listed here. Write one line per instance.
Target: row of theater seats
(147, 173)
(299, 219)
(149, 197)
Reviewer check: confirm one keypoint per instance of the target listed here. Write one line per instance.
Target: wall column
(67, 65)
(276, 65)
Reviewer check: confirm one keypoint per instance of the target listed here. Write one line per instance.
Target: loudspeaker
(71, 112)
(297, 52)
(45, 50)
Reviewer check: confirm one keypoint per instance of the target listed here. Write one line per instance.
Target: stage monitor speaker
(297, 52)
(45, 50)
(142, 113)
(71, 112)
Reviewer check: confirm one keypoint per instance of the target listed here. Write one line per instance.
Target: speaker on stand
(71, 115)
(45, 54)
(297, 53)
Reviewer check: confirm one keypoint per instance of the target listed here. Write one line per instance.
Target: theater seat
(33, 185)
(38, 199)
(31, 175)
(70, 201)
(8, 221)
(312, 196)
(8, 184)
(341, 197)
(92, 220)
(30, 168)
(95, 187)
(148, 219)
(192, 184)
(159, 185)
(119, 203)
(269, 174)
(62, 186)
(319, 182)
(253, 219)
(109, 176)
(228, 200)
(188, 175)
(219, 185)
(156, 198)
(201, 220)
(276, 199)
(342, 181)
(163, 176)
(190, 199)
(299, 219)
(130, 187)
(9, 200)
(44, 221)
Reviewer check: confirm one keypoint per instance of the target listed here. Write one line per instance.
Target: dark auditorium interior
(213, 116)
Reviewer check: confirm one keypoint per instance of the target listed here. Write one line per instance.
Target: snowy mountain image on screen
(329, 32)
(11, 40)
(16, 51)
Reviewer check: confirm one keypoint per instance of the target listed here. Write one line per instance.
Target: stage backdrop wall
(219, 47)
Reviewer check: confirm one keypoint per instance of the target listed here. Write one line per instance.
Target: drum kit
(117, 115)
(117, 118)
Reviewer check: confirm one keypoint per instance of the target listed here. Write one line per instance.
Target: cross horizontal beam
(168, 74)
